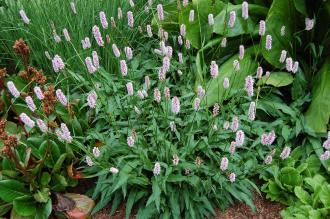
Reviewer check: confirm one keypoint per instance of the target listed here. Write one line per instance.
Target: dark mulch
(265, 210)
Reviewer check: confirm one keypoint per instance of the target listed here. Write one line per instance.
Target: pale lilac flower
(91, 99)
(113, 22)
(226, 125)
(130, 19)
(245, 10)
(326, 144)
(167, 93)
(73, 7)
(187, 44)
(183, 30)
(97, 36)
(114, 170)
(119, 13)
(66, 35)
(86, 43)
(236, 65)
(61, 97)
(24, 17)
(12, 89)
(130, 90)
(179, 72)
(262, 27)
(309, 24)
(224, 42)
(325, 155)
(215, 110)
(210, 19)
(289, 64)
(197, 103)
(123, 68)
(268, 45)
(267, 75)
(42, 126)
(226, 83)
(166, 63)
(240, 136)
(137, 111)
(131, 2)
(285, 153)
(180, 57)
(130, 141)
(140, 94)
(185, 3)
(180, 41)
(165, 35)
(157, 95)
(96, 60)
(200, 91)
(115, 50)
(160, 12)
(175, 105)
(161, 74)
(241, 52)
(169, 51)
(29, 102)
(149, 31)
(234, 124)
(252, 111)
(224, 163)
(147, 81)
(176, 159)
(156, 169)
(215, 127)
(328, 134)
(57, 38)
(58, 63)
(268, 139)
(232, 147)
(249, 81)
(191, 15)
(48, 55)
(259, 72)
(26, 120)
(162, 47)
(282, 30)
(172, 126)
(232, 19)
(38, 93)
(269, 159)
(89, 161)
(103, 20)
(90, 66)
(232, 177)
(96, 152)
(149, 3)
(295, 67)
(214, 69)
(283, 56)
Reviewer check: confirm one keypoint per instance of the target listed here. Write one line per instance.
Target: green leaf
(44, 211)
(290, 176)
(133, 197)
(216, 92)
(59, 163)
(241, 25)
(42, 195)
(11, 189)
(300, 6)
(175, 206)
(277, 79)
(24, 206)
(325, 195)
(281, 13)
(45, 178)
(318, 113)
(303, 196)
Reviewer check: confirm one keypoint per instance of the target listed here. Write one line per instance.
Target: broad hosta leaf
(303, 196)
(11, 189)
(241, 25)
(216, 92)
(199, 30)
(277, 79)
(325, 195)
(281, 13)
(24, 206)
(318, 113)
(290, 176)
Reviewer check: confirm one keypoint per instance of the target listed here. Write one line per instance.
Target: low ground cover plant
(173, 107)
